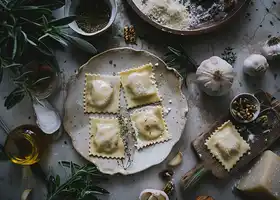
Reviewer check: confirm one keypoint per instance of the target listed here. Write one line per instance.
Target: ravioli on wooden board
(226, 145)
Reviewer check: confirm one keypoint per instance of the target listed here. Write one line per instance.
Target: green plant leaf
(81, 43)
(14, 98)
(58, 39)
(53, 5)
(41, 46)
(15, 46)
(63, 21)
(45, 21)
(31, 22)
(12, 65)
(97, 190)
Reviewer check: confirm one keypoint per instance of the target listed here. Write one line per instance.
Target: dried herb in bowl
(92, 16)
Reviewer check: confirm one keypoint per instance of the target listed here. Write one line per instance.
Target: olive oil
(25, 145)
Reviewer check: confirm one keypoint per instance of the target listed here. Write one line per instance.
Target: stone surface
(244, 35)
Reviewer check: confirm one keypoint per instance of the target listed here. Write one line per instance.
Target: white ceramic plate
(76, 123)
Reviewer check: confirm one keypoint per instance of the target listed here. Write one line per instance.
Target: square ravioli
(105, 138)
(139, 86)
(227, 145)
(149, 126)
(102, 94)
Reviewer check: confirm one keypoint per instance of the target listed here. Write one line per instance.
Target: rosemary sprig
(180, 60)
(81, 185)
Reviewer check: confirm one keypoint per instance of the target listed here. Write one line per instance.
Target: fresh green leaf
(97, 190)
(23, 75)
(41, 46)
(31, 22)
(15, 41)
(14, 98)
(40, 80)
(81, 43)
(63, 21)
(12, 65)
(45, 21)
(58, 39)
(53, 5)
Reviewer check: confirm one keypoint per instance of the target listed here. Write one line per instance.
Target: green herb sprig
(180, 60)
(81, 185)
(29, 32)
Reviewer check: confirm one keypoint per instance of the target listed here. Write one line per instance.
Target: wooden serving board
(260, 142)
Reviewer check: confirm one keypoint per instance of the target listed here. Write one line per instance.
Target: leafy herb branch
(179, 59)
(81, 185)
(29, 32)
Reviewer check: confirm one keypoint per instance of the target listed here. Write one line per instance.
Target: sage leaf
(12, 65)
(82, 44)
(63, 21)
(58, 39)
(54, 5)
(15, 46)
(31, 22)
(14, 98)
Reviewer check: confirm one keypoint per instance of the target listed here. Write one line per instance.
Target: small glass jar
(25, 145)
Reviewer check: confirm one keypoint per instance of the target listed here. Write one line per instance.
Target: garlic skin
(255, 65)
(215, 76)
(151, 194)
(271, 48)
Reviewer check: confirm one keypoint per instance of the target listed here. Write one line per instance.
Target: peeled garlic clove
(151, 194)
(177, 160)
(26, 195)
(48, 118)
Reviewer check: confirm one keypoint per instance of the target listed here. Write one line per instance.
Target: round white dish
(70, 9)
(110, 62)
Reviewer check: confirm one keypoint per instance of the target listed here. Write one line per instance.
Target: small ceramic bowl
(70, 9)
(253, 100)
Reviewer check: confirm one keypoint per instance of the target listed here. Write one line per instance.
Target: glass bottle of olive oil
(25, 145)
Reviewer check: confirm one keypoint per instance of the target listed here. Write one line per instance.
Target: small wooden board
(260, 143)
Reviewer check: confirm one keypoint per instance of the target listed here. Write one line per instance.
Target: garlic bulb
(271, 48)
(151, 194)
(255, 65)
(215, 76)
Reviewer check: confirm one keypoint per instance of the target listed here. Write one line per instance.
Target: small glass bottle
(25, 145)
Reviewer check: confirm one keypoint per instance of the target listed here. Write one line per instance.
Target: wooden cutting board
(262, 140)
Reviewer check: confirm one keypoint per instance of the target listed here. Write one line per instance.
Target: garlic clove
(151, 194)
(26, 195)
(177, 160)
